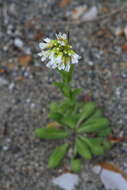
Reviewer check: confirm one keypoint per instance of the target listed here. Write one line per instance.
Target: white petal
(60, 35)
(47, 40)
(40, 54)
(75, 58)
(42, 45)
(59, 59)
(43, 59)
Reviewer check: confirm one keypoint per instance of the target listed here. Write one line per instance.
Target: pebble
(66, 181)
(3, 81)
(5, 148)
(18, 43)
(11, 86)
(118, 92)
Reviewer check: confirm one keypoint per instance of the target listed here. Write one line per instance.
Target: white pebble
(3, 81)
(66, 181)
(18, 42)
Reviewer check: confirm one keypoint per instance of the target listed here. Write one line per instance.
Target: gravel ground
(26, 88)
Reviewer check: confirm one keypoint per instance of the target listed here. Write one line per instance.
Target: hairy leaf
(87, 110)
(57, 156)
(51, 133)
(96, 114)
(94, 126)
(56, 116)
(104, 132)
(75, 165)
(83, 149)
(94, 145)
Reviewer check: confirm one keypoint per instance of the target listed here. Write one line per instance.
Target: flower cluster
(58, 53)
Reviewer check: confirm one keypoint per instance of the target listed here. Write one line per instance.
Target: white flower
(61, 36)
(58, 53)
(75, 58)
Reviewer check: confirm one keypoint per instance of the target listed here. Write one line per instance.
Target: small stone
(91, 14)
(124, 75)
(90, 63)
(118, 92)
(18, 43)
(32, 105)
(119, 31)
(5, 148)
(11, 86)
(66, 181)
(3, 81)
(125, 31)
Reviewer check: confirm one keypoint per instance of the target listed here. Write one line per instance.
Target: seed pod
(57, 155)
(94, 126)
(83, 149)
(51, 133)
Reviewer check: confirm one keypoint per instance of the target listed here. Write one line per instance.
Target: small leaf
(59, 85)
(96, 114)
(56, 116)
(51, 133)
(83, 149)
(76, 91)
(69, 121)
(87, 110)
(94, 145)
(104, 132)
(75, 165)
(57, 156)
(95, 125)
(53, 107)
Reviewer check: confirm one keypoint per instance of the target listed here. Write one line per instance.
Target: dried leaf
(25, 60)
(64, 3)
(124, 47)
(2, 71)
(53, 124)
(116, 139)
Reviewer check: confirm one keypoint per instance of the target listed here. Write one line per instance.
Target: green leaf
(87, 110)
(50, 133)
(94, 145)
(75, 165)
(57, 156)
(83, 149)
(59, 85)
(53, 107)
(69, 120)
(76, 91)
(66, 90)
(55, 116)
(96, 114)
(104, 132)
(95, 125)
